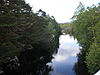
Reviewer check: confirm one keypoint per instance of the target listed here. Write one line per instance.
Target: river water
(39, 61)
(63, 62)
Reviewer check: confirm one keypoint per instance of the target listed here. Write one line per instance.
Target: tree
(86, 29)
(21, 28)
(93, 60)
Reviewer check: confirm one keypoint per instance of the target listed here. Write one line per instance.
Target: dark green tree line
(20, 28)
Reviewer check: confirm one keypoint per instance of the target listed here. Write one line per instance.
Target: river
(64, 60)
(41, 61)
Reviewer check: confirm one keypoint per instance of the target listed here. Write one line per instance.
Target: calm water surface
(39, 60)
(66, 57)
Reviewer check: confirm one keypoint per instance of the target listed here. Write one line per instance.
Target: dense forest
(28, 39)
(24, 33)
(86, 29)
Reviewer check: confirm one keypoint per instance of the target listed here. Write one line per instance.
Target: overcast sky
(62, 10)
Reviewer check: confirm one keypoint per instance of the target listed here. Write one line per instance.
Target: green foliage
(93, 60)
(66, 28)
(86, 28)
(64, 25)
(6, 20)
(20, 28)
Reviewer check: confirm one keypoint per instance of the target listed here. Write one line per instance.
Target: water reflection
(42, 59)
(32, 61)
(66, 56)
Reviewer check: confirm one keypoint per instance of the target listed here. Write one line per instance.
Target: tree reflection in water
(80, 66)
(33, 61)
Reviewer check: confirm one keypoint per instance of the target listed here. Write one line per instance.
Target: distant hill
(66, 27)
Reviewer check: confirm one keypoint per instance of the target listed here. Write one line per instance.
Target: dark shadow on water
(35, 61)
(31, 61)
(80, 67)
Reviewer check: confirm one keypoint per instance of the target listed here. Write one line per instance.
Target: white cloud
(60, 58)
(67, 38)
(62, 10)
(98, 73)
(64, 54)
(67, 48)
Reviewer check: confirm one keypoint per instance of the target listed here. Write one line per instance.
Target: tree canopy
(21, 28)
(86, 28)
